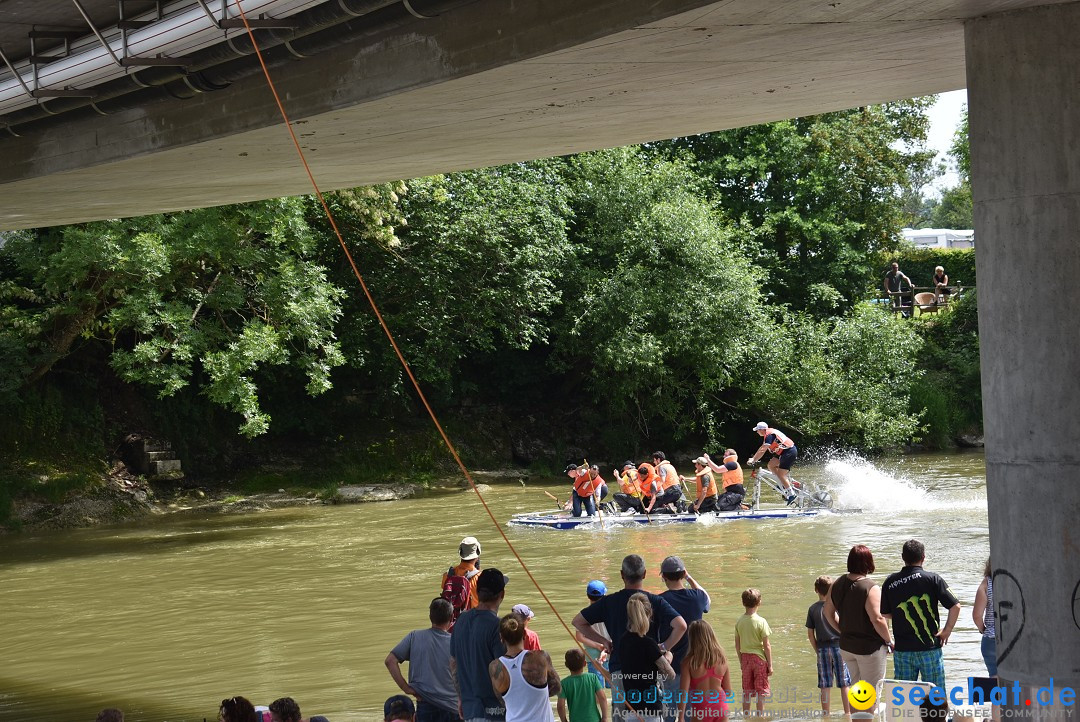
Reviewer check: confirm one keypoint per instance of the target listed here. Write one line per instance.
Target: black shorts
(787, 458)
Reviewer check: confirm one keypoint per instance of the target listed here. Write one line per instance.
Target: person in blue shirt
(474, 643)
(692, 603)
(611, 610)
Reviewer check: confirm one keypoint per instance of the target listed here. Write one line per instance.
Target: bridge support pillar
(1023, 72)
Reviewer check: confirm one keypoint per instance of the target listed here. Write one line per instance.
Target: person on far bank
(825, 641)
(692, 603)
(428, 653)
(583, 494)
(732, 491)
(524, 680)
(782, 452)
(582, 697)
(894, 280)
(983, 614)
(855, 601)
(474, 644)
(910, 598)
(612, 611)
(941, 284)
(706, 489)
(752, 645)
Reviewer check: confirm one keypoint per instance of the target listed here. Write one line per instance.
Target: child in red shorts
(755, 653)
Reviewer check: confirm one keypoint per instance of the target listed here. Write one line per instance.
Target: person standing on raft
(783, 453)
(584, 490)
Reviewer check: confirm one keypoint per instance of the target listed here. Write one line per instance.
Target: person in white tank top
(525, 681)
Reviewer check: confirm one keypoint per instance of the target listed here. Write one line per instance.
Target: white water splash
(857, 483)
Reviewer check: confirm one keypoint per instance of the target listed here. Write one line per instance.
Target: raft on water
(806, 499)
(563, 520)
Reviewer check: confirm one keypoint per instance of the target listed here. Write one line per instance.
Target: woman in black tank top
(854, 603)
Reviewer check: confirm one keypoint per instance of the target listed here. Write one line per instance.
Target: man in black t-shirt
(910, 598)
(611, 610)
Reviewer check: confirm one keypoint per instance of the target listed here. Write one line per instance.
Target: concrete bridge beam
(1023, 71)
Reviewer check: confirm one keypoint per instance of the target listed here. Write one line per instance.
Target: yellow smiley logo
(862, 695)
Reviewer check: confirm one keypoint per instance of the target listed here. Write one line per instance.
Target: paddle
(558, 503)
(687, 490)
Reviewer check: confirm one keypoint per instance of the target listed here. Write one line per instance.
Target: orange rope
(385, 328)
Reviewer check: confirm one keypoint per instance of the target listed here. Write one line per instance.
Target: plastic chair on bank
(927, 302)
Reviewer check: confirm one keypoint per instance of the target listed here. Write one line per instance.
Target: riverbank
(119, 497)
(166, 618)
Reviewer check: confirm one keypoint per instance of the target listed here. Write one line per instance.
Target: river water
(166, 618)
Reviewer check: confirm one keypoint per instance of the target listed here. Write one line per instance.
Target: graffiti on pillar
(1009, 611)
(1076, 605)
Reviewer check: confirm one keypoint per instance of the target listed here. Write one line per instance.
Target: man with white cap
(783, 453)
(469, 568)
(706, 491)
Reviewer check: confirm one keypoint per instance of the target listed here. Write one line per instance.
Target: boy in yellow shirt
(755, 653)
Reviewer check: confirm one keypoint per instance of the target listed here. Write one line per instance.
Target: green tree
(955, 210)
(845, 379)
(657, 304)
(472, 271)
(818, 197)
(212, 296)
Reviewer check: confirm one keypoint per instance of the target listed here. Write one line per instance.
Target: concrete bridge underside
(503, 80)
(489, 82)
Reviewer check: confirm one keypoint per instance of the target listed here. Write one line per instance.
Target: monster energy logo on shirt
(913, 608)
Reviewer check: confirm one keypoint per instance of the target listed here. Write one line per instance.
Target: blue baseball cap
(596, 589)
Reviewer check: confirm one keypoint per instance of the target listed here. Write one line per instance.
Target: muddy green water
(166, 618)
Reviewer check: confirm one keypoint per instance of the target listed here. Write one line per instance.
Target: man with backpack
(459, 582)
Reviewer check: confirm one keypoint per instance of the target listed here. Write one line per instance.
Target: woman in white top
(983, 614)
(524, 681)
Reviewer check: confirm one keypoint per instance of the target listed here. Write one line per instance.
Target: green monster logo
(912, 603)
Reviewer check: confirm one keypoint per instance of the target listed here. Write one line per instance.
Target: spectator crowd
(654, 654)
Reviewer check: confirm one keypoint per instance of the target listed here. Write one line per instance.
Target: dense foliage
(220, 293)
(662, 293)
(919, 264)
(819, 198)
(954, 209)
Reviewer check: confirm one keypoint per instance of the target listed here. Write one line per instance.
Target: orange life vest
(730, 477)
(651, 477)
(629, 483)
(780, 441)
(710, 487)
(585, 486)
(671, 477)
